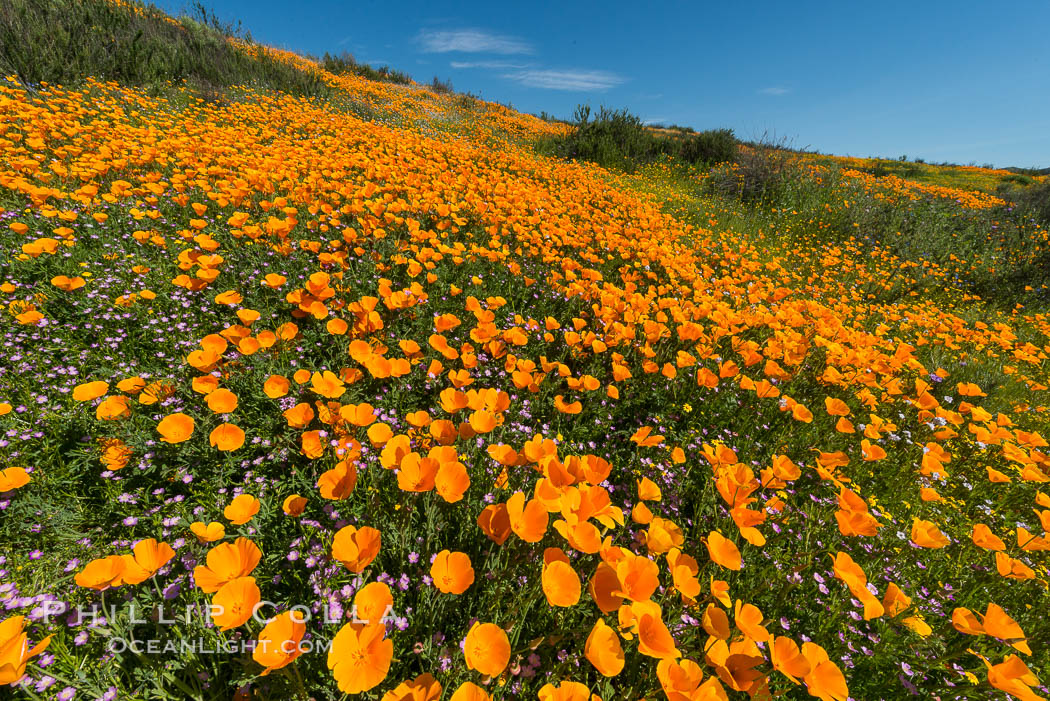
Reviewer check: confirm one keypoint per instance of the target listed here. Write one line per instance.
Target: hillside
(457, 419)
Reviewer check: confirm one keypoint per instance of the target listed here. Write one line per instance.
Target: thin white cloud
(576, 80)
(774, 91)
(471, 41)
(492, 65)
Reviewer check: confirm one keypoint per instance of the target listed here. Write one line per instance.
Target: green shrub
(1032, 201)
(710, 147)
(610, 138)
(62, 42)
(761, 173)
(619, 139)
(441, 87)
(345, 63)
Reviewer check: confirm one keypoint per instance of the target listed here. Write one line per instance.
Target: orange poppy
(359, 657)
(207, 533)
(175, 428)
(90, 390)
(149, 556)
(356, 547)
(926, 534)
(276, 386)
(242, 509)
(788, 659)
(528, 520)
(723, 551)
(101, 574)
(235, 602)
(494, 521)
(487, 649)
(567, 691)
(280, 642)
(225, 563)
(452, 572)
(603, 649)
(422, 688)
(226, 437)
(13, 478)
(15, 652)
(221, 401)
(112, 409)
(293, 505)
(373, 603)
(561, 584)
(469, 691)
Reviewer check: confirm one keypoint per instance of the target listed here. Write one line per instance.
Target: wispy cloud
(577, 80)
(777, 91)
(471, 41)
(491, 65)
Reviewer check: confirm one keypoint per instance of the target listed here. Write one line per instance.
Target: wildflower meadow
(360, 395)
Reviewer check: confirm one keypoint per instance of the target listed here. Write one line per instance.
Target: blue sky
(964, 81)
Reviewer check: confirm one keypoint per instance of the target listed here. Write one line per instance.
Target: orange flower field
(362, 398)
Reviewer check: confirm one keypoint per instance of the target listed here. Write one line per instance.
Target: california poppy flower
(276, 386)
(356, 547)
(422, 688)
(113, 409)
(293, 505)
(242, 509)
(148, 557)
(208, 532)
(788, 659)
(280, 642)
(494, 521)
(221, 401)
(90, 390)
(226, 437)
(723, 551)
(359, 657)
(984, 538)
(1014, 677)
(567, 691)
(469, 691)
(101, 574)
(12, 478)
(603, 649)
(15, 652)
(131, 385)
(452, 572)
(176, 428)
(452, 481)
(339, 482)
(527, 520)
(487, 649)
(926, 534)
(227, 562)
(235, 602)
(999, 625)
(825, 680)
(561, 584)
(372, 603)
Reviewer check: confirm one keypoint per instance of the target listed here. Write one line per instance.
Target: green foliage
(1032, 201)
(761, 173)
(346, 63)
(709, 147)
(618, 139)
(441, 87)
(612, 138)
(997, 253)
(63, 42)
